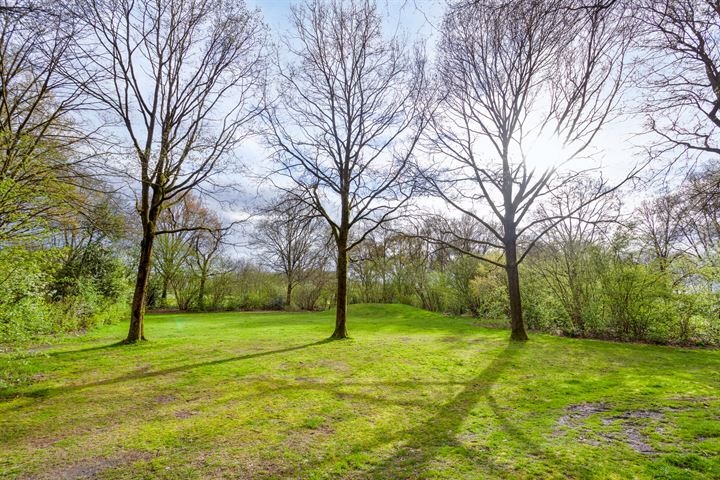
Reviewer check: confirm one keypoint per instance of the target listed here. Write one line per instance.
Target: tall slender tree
(180, 80)
(207, 246)
(346, 123)
(660, 228)
(512, 73)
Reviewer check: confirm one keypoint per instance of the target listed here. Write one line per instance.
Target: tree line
(123, 122)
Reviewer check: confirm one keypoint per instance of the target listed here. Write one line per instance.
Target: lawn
(411, 395)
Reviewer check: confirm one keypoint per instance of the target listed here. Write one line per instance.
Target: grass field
(411, 395)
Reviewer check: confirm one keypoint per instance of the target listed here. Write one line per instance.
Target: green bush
(609, 293)
(463, 295)
(490, 290)
(41, 295)
(635, 300)
(94, 265)
(697, 317)
(24, 280)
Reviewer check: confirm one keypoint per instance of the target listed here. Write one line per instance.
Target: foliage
(23, 283)
(95, 265)
(581, 289)
(40, 294)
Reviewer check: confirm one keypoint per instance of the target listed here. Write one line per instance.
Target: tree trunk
(341, 311)
(517, 324)
(163, 296)
(201, 291)
(288, 295)
(137, 314)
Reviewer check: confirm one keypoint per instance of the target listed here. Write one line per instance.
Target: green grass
(411, 395)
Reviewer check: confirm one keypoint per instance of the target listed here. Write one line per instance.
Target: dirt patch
(631, 424)
(44, 442)
(93, 467)
(637, 414)
(301, 440)
(637, 440)
(452, 339)
(577, 414)
(182, 414)
(142, 368)
(334, 365)
(165, 398)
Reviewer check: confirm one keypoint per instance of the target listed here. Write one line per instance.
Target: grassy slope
(411, 395)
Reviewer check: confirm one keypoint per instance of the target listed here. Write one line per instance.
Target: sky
(417, 19)
(614, 151)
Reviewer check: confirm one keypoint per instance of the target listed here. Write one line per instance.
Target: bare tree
(701, 218)
(661, 222)
(511, 72)
(681, 42)
(103, 220)
(293, 242)
(372, 265)
(347, 123)
(585, 219)
(181, 78)
(172, 250)
(207, 246)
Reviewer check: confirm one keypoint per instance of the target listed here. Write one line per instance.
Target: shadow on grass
(125, 343)
(430, 440)
(143, 374)
(425, 442)
(90, 349)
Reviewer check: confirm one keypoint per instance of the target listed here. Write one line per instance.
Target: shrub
(24, 280)
(41, 295)
(95, 266)
(490, 292)
(634, 299)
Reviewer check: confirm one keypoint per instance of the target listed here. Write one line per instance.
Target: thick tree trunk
(341, 311)
(517, 324)
(137, 314)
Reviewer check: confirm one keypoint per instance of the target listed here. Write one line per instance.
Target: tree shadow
(422, 444)
(425, 442)
(144, 373)
(89, 349)
(335, 389)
